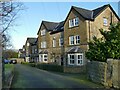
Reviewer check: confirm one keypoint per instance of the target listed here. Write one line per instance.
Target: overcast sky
(29, 20)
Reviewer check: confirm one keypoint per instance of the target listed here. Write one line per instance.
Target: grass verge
(81, 78)
(9, 72)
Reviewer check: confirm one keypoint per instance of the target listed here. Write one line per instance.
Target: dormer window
(74, 22)
(105, 21)
(43, 32)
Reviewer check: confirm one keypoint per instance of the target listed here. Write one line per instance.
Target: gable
(42, 26)
(105, 9)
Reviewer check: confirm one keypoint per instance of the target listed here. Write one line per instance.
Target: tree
(8, 14)
(10, 54)
(106, 47)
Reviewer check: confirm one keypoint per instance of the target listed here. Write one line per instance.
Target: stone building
(80, 26)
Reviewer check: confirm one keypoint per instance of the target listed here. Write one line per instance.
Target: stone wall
(106, 73)
(75, 69)
(97, 71)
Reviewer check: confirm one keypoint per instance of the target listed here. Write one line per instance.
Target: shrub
(50, 67)
(106, 47)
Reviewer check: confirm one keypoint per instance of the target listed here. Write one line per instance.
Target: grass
(9, 68)
(81, 78)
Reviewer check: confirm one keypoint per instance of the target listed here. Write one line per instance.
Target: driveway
(30, 77)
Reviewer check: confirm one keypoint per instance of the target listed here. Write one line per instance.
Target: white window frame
(73, 22)
(105, 21)
(61, 42)
(43, 32)
(28, 44)
(70, 59)
(77, 39)
(74, 40)
(45, 57)
(76, 59)
(76, 21)
(71, 40)
(80, 59)
(43, 44)
(54, 42)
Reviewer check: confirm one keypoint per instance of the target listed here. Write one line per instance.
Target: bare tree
(8, 13)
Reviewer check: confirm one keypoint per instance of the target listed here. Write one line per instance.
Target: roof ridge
(81, 8)
(101, 6)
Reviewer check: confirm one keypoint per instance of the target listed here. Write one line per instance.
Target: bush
(29, 64)
(100, 49)
(50, 67)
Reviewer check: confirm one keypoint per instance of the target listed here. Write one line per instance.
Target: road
(30, 77)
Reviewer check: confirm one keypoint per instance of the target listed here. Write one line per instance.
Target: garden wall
(106, 73)
(75, 69)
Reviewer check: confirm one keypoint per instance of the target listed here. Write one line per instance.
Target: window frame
(61, 41)
(73, 22)
(43, 44)
(43, 32)
(81, 59)
(69, 59)
(45, 57)
(77, 40)
(54, 43)
(105, 21)
(71, 40)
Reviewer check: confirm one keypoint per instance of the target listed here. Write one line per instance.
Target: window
(77, 38)
(43, 44)
(28, 44)
(79, 59)
(75, 59)
(71, 59)
(43, 32)
(74, 40)
(45, 57)
(60, 41)
(105, 21)
(74, 22)
(71, 23)
(54, 42)
(71, 40)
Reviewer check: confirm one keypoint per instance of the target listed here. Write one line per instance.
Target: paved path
(29, 77)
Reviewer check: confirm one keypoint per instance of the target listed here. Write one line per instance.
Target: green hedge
(50, 67)
(44, 66)
(29, 64)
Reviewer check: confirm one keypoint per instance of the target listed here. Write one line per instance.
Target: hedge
(44, 66)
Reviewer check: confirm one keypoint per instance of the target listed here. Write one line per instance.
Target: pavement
(30, 77)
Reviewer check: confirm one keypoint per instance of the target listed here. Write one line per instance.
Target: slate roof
(92, 14)
(49, 25)
(59, 27)
(75, 50)
(43, 52)
(86, 14)
(32, 40)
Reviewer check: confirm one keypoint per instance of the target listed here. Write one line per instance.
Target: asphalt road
(29, 77)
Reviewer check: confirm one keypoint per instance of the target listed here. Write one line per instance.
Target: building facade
(80, 26)
(31, 50)
(65, 43)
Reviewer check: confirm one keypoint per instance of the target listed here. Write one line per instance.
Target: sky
(29, 20)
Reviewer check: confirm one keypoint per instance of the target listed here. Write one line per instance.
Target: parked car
(6, 61)
(13, 61)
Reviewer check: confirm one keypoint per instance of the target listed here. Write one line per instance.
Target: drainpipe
(89, 29)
